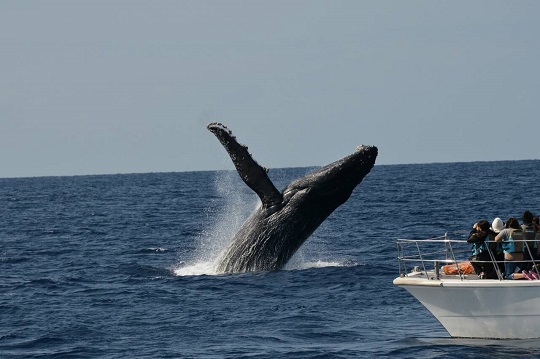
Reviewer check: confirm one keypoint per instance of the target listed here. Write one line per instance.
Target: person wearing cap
(496, 227)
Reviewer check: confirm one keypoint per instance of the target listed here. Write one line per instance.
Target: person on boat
(481, 259)
(536, 223)
(496, 227)
(530, 251)
(512, 242)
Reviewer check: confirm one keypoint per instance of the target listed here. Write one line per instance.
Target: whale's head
(331, 185)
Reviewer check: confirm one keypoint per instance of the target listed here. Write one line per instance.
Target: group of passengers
(510, 248)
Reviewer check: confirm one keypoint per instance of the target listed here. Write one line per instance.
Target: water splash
(200, 268)
(225, 216)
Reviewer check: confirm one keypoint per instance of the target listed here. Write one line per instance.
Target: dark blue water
(120, 266)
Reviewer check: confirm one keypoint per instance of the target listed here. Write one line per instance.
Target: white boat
(466, 306)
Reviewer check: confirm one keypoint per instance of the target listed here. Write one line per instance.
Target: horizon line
(271, 168)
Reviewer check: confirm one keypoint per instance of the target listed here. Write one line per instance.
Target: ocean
(120, 266)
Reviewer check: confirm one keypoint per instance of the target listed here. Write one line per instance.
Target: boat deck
(432, 257)
(466, 305)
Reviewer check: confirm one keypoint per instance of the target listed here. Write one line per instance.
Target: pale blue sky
(92, 87)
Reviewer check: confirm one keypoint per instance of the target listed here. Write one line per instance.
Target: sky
(106, 87)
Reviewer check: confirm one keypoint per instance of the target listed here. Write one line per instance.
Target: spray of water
(225, 216)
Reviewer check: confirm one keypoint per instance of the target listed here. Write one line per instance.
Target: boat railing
(429, 256)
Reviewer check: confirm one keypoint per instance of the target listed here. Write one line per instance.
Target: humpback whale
(284, 220)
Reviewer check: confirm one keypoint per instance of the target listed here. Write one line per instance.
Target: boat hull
(480, 308)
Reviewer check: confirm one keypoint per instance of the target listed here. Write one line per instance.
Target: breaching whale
(285, 220)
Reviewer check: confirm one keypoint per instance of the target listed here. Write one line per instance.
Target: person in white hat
(497, 226)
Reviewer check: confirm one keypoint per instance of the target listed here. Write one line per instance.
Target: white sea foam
(208, 268)
(303, 259)
(201, 268)
(318, 264)
(156, 249)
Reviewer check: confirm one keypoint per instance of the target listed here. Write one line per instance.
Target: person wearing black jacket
(481, 260)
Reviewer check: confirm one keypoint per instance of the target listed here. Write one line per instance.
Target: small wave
(153, 250)
(144, 271)
(14, 260)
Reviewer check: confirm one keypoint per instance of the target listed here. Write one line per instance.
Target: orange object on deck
(464, 268)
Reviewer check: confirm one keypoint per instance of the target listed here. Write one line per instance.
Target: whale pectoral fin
(249, 170)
